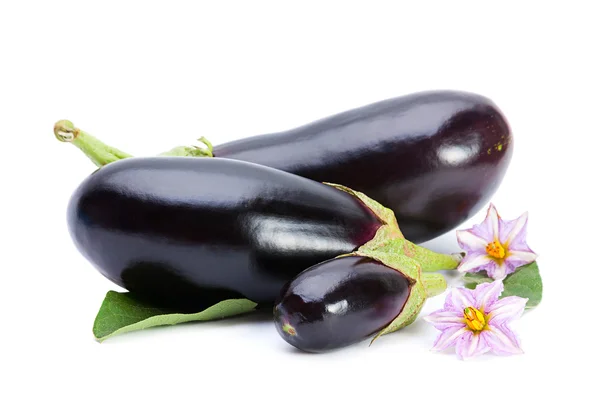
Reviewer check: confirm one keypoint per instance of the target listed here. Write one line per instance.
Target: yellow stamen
(474, 319)
(495, 249)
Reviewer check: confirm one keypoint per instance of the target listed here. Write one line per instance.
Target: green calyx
(102, 154)
(416, 263)
(423, 285)
(389, 230)
(191, 151)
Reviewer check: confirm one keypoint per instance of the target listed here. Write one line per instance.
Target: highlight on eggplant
(434, 158)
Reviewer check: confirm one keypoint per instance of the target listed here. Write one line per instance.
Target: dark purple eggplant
(339, 302)
(178, 230)
(434, 158)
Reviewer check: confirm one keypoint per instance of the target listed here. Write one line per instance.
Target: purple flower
(476, 322)
(496, 246)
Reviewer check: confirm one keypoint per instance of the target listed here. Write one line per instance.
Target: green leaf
(525, 282)
(123, 312)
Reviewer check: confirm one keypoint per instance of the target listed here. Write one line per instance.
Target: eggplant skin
(180, 230)
(435, 158)
(339, 302)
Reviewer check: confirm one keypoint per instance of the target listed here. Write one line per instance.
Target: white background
(146, 77)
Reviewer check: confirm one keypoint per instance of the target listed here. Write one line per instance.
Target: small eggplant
(347, 299)
(339, 302)
(434, 158)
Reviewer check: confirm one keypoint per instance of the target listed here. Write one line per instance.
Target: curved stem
(430, 260)
(100, 153)
(427, 259)
(434, 283)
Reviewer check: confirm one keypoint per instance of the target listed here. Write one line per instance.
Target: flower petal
(448, 338)
(442, 320)
(473, 263)
(458, 299)
(483, 231)
(492, 218)
(518, 258)
(487, 294)
(513, 234)
(471, 345)
(506, 309)
(514, 229)
(471, 242)
(502, 340)
(499, 271)
(488, 229)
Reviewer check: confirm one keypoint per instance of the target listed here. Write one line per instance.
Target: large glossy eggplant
(339, 302)
(434, 158)
(178, 230)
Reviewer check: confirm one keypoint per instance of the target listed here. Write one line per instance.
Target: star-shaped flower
(476, 321)
(496, 246)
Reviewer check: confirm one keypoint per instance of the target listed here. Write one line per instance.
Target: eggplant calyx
(422, 286)
(389, 238)
(389, 229)
(410, 311)
(191, 151)
(413, 262)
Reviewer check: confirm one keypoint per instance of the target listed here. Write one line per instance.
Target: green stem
(433, 283)
(101, 154)
(430, 260)
(427, 259)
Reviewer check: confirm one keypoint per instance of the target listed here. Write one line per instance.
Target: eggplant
(179, 231)
(435, 158)
(339, 302)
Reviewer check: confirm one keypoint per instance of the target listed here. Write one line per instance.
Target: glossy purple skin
(180, 231)
(434, 158)
(339, 302)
